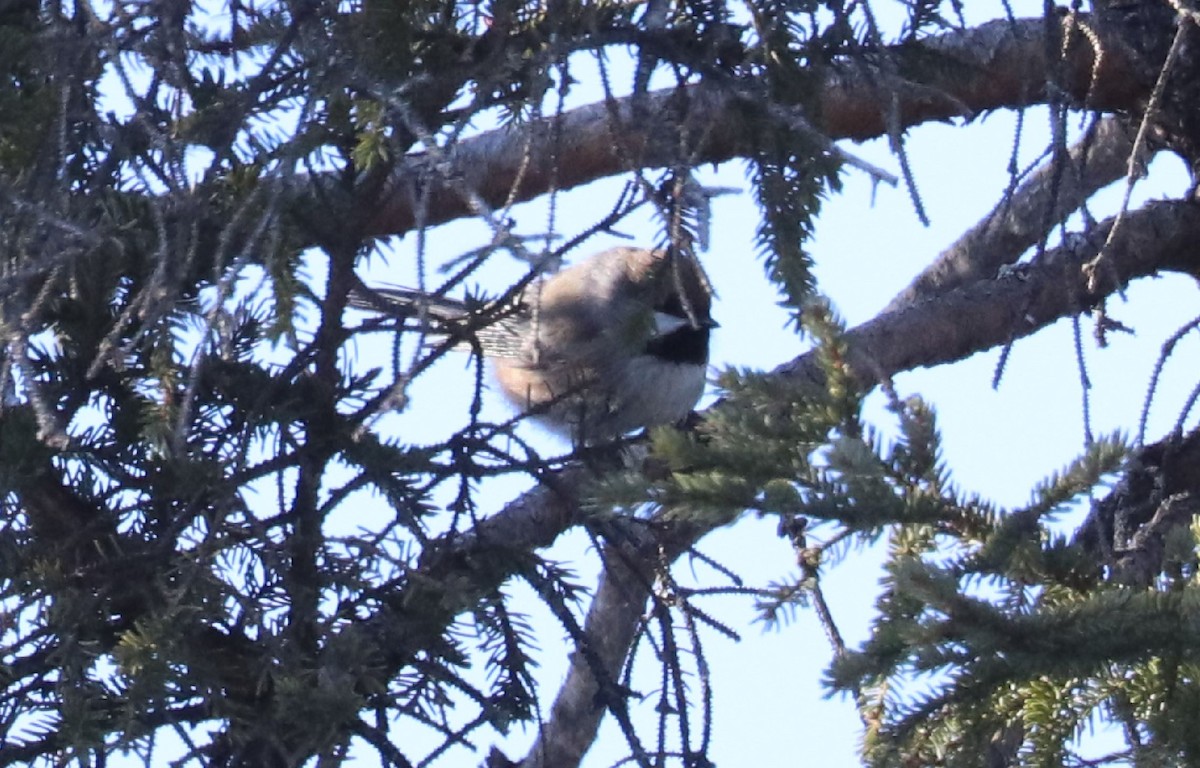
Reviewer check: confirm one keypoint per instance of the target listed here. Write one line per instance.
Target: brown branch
(458, 569)
(611, 626)
(1024, 218)
(1160, 237)
(959, 74)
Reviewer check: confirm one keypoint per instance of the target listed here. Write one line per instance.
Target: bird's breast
(659, 391)
(643, 391)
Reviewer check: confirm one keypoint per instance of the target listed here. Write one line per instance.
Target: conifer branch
(1026, 216)
(994, 311)
(957, 75)
(611, 626)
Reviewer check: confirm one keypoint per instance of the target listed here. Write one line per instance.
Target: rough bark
(1026, 217)
(1127, 530)
(959, 75)
(989, 312)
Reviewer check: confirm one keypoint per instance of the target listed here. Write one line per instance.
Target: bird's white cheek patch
(665, 323)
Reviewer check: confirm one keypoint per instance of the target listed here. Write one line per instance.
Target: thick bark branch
(1160, 237)
(1024, 218)
(611, 626)
(959, 74)
(457, 570)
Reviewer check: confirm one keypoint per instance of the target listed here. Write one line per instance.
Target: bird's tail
(435, 313)
(472, 324)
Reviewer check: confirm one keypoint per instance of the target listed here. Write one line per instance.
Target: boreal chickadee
(614, 343)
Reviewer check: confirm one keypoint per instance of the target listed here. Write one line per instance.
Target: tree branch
(1024, 218)
(956, 75)
(1160, 237)
(611, 626)
(460, 568)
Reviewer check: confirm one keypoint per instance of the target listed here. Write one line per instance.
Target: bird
(612, 344)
